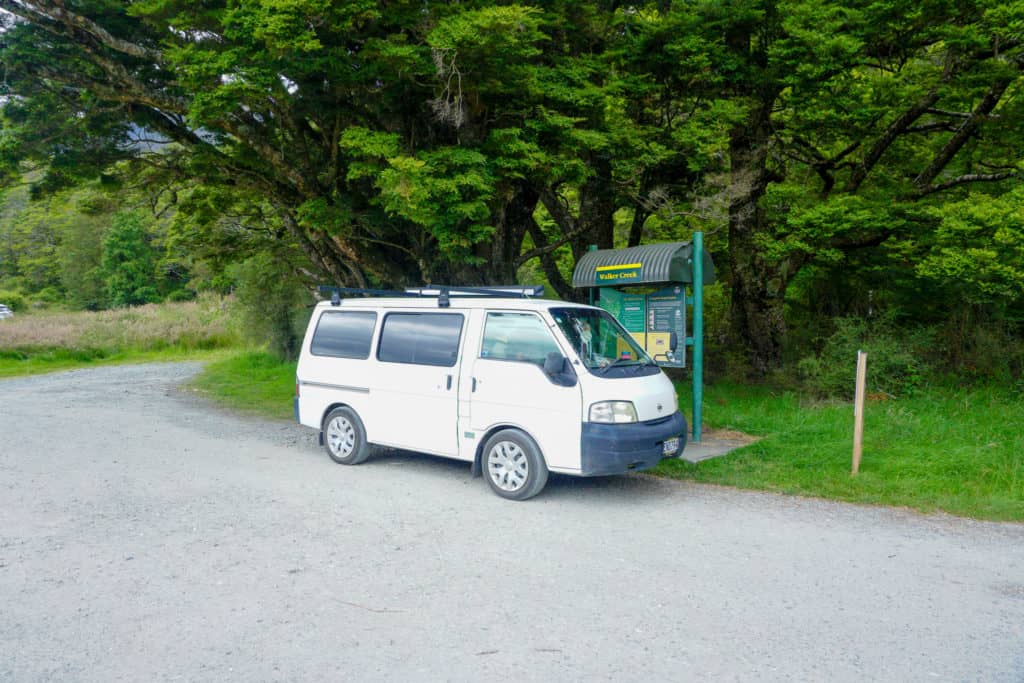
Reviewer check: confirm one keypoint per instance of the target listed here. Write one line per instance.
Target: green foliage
(878, 144)
(898, 359)
(180, 295)
(979, 246)
(493, 48)
(273, 305)
(128, 266)
(13, 300)
(47, 296)
(53, 246)
(446, 192)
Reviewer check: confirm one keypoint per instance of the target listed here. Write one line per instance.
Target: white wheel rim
(507, 466)
(341, 437)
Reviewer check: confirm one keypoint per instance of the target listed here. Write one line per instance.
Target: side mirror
(559, 370)
(673, 341)
(554, 363)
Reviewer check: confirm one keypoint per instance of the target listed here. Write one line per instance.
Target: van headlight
(613, 412)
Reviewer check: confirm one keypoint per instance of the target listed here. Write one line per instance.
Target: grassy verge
(52, 341)
(960, 452)
(56, 360)
(251, 381)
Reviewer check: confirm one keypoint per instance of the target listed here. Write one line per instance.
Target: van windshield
(600, 341)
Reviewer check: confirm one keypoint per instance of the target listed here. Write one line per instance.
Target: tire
(513, 465)
(345, 437)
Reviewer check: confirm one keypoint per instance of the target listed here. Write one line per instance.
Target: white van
(517, 387)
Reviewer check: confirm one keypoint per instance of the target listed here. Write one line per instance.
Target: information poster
(630, 309)
(651, 319)
(666, 314)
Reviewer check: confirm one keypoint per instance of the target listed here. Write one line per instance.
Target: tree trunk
(758, 286)
(597, 209)
(550, 266)
(511, 223)
(636, 228)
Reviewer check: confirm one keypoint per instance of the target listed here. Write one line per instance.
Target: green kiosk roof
(649, 264)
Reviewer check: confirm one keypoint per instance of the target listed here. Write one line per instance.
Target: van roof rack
(443, 293)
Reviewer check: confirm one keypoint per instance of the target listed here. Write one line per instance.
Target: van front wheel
(345, 438)
(513, 465)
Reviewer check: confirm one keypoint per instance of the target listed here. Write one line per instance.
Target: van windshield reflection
(599, 340)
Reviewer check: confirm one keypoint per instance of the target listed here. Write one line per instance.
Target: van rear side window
(420, 338)
(344, 334)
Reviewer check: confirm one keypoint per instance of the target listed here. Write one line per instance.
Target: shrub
(273, 304)
(897, 358)
(13, 300)
(180, 295)
(46, 297)
(981, 346)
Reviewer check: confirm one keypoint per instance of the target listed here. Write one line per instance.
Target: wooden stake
(858, 408)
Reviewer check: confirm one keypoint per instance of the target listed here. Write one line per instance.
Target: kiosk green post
(656, 319)
(698, 333)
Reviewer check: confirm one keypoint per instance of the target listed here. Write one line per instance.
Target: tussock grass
(47, 341)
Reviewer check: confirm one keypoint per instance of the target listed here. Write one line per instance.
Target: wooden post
(858, 408)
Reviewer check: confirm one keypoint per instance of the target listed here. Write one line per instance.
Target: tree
(128, 261)
(326, 111)
(406, 142)
(396, 144)
(845, 117)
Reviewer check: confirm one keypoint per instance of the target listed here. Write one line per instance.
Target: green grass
(957, 450)
(36, 362)
(251, 381)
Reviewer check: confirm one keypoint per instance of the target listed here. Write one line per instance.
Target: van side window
(344, 334)
(518, 337)
(420, 338)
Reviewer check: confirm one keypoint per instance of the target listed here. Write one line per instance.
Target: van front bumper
(619, 448)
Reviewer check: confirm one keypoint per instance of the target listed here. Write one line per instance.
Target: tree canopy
(401, 142)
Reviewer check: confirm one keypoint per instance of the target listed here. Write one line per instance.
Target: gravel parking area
(147, 535)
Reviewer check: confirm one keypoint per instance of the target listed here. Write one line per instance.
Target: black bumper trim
(619, 448)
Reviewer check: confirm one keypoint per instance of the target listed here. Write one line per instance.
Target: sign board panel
(651, 319)
(666, 313)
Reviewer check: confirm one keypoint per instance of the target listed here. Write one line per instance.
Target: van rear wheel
(344, 437)
(513, 465)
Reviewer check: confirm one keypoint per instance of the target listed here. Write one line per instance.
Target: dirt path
(145, 535)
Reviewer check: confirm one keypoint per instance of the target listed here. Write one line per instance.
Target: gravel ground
(145, 535)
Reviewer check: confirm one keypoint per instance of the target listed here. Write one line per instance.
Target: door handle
(449, 382)
(474, 384)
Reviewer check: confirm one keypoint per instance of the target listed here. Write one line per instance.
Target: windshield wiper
(613, 364)
(648, 363)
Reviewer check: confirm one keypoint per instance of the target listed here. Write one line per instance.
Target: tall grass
(55, 340)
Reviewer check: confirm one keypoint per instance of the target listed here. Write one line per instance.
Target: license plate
(671, 446)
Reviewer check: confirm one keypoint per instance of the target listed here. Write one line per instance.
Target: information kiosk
(645, 287)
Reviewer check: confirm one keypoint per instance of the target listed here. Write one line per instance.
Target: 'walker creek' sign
(627, 272)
